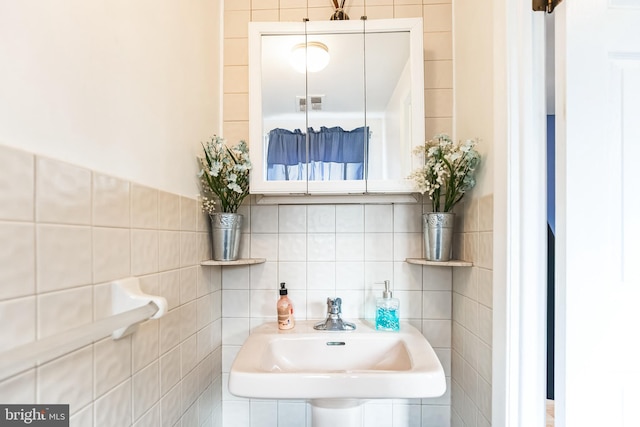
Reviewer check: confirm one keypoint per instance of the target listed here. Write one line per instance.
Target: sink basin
(303, 363)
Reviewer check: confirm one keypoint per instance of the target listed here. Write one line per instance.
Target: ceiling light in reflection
(311, 57)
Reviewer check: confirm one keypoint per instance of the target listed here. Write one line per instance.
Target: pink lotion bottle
(285, 309)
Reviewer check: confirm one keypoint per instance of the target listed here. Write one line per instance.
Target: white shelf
(451, 263)
(245, 261)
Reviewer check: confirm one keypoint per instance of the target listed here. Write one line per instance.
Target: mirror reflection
(345, 115)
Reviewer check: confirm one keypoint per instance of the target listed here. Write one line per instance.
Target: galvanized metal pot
(438, 235)
(225, 235)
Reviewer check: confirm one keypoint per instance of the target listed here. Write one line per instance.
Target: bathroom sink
(303, 363)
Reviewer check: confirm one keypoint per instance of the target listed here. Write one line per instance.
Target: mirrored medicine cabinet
(343, 122)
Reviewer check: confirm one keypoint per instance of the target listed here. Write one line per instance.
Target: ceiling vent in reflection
(315, 102)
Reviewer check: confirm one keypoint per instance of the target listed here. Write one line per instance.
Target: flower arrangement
(448, 170)
(224, 174)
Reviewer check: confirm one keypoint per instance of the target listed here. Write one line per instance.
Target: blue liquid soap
(387, 311)
(387, 319)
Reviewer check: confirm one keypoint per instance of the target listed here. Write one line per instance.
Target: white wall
(473, 83)
(125, 88)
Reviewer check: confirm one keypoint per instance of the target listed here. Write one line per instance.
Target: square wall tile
(263, 276)
(264, 246)
(60, 311)
(188, 212)
(437, 18)
(264, 219)
(350, 218)
(410, 304)
(349, 275)
(407, 218)
(188, 354)
(64, 257)
(235, 303)
(144, 207)
(236, 52)
(439, 74)
(378, 218)
(168, 250)
(438, 102)
(407, 276)
(438, 46)
(321, 247)
(485, 215)
(321, 219)
(144, 252)
(146, 386)
(236, 23)
(112, 363)
(377, 272)
(144, 344)
(188, 249)
(437, 332)
(19, 389)
(349, 246)
(82, 418)
(17, 260)
(292, 247)
(235, 277)
(436, 305)
(16, 184)
(114, 408)
(171, 406)
(169, 287)
(188, 285)
(485, 287)
(169, 370)
(378, 246)
(111, 201)
(168, 211)
(63, 192)
(188, 320)
(20, 313)
(68, 379)
(111, 254)
(235, 331)
(321, 275)
(294, 274)
(436, 278)
(407, 245)
(292, 219)
(169, 330)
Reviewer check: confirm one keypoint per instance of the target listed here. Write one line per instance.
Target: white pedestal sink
(336, 371)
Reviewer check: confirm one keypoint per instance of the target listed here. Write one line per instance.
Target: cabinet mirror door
(345, 125)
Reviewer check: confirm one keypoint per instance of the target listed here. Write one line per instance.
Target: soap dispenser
(387, 311)
(285, 309)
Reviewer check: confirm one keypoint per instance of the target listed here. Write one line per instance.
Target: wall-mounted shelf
(451, 263)
(245, 261)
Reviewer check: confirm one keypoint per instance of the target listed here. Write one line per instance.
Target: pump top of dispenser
(387, 292)
(283, 289)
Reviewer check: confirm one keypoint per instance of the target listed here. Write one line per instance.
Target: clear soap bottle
(285, 309)
(387, 311)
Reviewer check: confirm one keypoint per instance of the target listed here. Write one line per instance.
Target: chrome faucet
(334, 322)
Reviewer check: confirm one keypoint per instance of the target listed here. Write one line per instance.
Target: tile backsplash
(66, 232)
(174, 370)
(324, 251)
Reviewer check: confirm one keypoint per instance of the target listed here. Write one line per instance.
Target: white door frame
(520, 234)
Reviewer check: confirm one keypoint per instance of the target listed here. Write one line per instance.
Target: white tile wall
(473, 319)
(68, 231)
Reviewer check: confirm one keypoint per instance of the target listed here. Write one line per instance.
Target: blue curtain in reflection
(334, 154)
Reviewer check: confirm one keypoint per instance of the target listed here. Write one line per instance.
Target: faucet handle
(334, 306)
